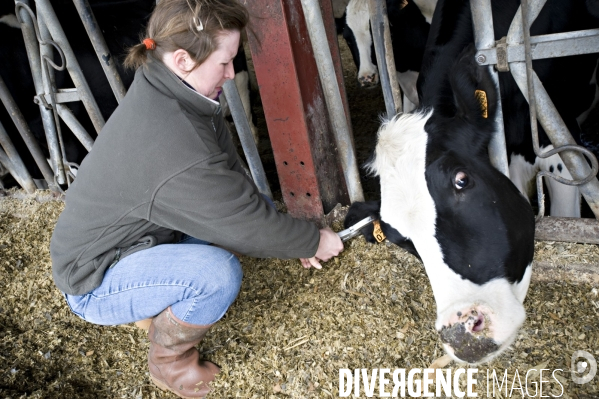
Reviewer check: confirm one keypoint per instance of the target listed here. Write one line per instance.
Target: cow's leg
(358, 20)
(522, 174)
(408, 106)
(565, 200)
(427, 8)
(407, 81)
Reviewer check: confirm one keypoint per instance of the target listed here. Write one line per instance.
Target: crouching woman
(162, 193)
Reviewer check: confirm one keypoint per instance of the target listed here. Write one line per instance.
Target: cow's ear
(474, 91)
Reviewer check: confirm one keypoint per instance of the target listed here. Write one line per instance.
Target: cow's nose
(468, 335)
(368, 80)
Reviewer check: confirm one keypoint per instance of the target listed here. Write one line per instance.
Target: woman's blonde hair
(191, 25)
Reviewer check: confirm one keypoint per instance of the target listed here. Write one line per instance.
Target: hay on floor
(289, 331)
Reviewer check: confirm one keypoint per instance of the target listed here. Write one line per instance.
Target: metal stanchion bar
(23, 128)
(104, 56)
(381, 37)
(482, 20)
(51, 20)
(543, 108)
(78, 130)
(33, 55)
(12, 161)
(558, 133)
(54, 141)
(515, 35)
(328, 80)
(246, 138)
(549, 46)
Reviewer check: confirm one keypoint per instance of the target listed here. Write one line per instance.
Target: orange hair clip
(150, 43)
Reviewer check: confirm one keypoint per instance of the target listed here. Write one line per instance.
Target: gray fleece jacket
(165, 163)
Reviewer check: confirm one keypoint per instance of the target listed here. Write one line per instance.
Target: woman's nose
(230, 72)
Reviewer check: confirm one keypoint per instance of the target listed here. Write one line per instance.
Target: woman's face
(208, 78)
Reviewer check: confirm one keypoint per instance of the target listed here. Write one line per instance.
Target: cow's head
(471, 227)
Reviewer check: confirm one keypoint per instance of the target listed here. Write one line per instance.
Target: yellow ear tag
(378, 232)
(481, 96)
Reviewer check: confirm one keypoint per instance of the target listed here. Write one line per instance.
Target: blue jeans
(199, 281)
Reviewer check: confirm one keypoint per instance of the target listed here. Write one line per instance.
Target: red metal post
(307, 164)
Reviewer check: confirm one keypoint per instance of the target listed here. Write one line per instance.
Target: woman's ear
(182, 61)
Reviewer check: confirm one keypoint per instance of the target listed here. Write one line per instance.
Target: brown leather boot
(174, 361)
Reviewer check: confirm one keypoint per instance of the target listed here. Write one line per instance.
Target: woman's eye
(461, 180)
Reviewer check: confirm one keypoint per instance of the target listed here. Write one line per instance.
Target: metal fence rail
(515, 53)
(43, 34)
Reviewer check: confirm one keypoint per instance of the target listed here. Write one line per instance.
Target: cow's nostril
(479, 324)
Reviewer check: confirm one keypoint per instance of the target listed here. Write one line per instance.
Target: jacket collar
(169, 84)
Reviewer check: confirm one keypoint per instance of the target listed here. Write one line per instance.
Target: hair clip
(198, 22)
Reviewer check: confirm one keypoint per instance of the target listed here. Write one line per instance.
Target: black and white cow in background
(409, 23)
(440, 197)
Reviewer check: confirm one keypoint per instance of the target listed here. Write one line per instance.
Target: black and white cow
(442, 200)
(409, 23)
(440, 197)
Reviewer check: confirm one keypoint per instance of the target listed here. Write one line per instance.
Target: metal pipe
(21, 124)
(245, 136)
(484, 38)
(381, 37)
(567, 229)
(515, 34)
(53, 24)
(55, 146)
(558, 133)
(541, 106)
(548, 46)
(26, 18)
(106, 60)
(328, 80)
(390, 58)
(12, 161)
(78, 130)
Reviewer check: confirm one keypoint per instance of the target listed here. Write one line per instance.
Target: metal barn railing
(514, 53)
(42, 34)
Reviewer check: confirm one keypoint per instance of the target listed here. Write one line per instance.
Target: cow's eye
(461, 180)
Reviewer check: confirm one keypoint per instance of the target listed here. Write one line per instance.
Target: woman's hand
(330, 245)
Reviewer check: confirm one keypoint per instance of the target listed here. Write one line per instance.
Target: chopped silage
(290, 330)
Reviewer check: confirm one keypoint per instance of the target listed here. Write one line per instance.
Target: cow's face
(472, 228)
